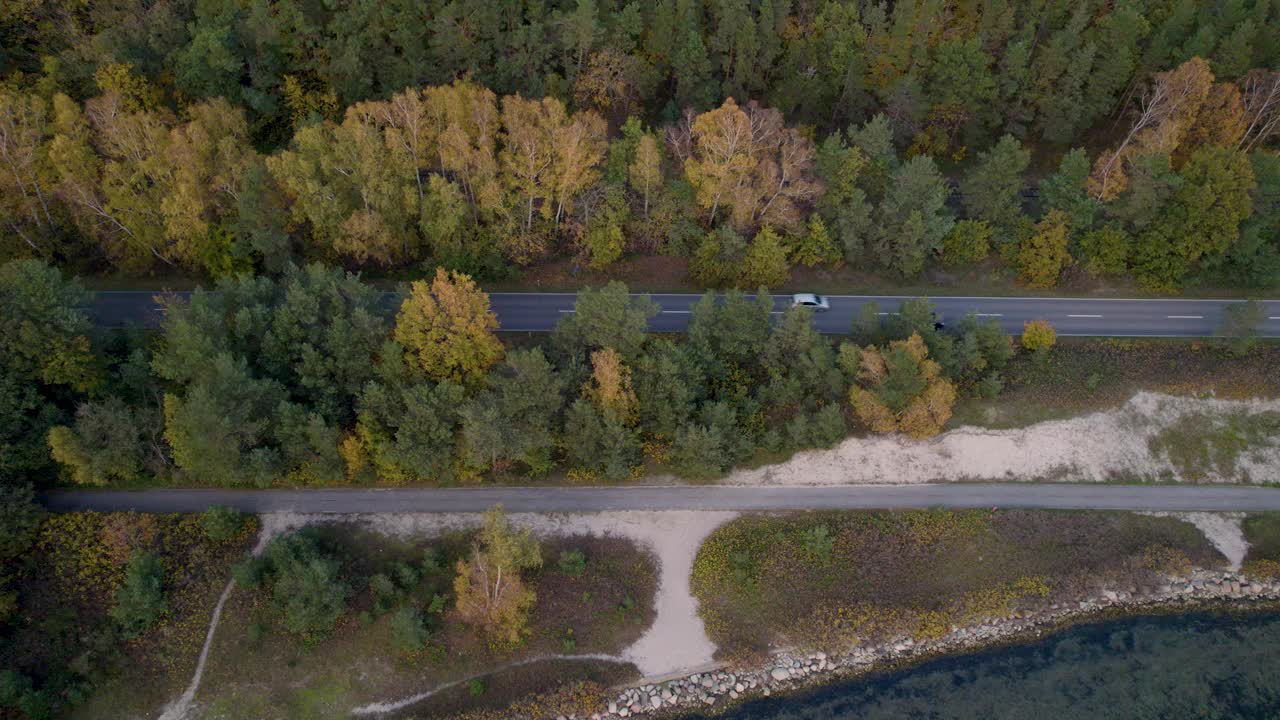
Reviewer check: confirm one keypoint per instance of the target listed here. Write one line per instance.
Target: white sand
(1091, 448)
(1223, 530)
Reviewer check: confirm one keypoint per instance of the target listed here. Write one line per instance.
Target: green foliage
(103, 446)
(1200, 217)
(514, 418)
(263, 371)
(699, 453)
(305, 580)
(992, 190)
(912, 219)
(140, 601)
(816, 245)
(765, 264)
(223, 524)
(604, 245)
(409, 630)
(45, 362)
(600, 442)
(20, 517)
(718, 258)
(968, 242)
(818, 542)
(1105, 250)
(572, 563)
(1065, 191)
(1240, 323)
(606, 317)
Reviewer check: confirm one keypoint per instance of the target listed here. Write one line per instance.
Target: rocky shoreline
(788, 671)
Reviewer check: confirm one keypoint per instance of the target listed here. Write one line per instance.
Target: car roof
(804, 296)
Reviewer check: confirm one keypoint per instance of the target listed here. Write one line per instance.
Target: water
(1203, 666)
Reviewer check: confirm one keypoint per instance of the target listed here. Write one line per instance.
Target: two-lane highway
(1133, 317)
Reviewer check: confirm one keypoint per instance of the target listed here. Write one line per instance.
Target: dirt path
(180, 708)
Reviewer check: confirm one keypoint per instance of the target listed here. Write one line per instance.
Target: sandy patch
(1090, 448)
(1222, 530)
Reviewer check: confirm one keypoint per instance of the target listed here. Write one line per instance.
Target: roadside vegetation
(105, 614)
(305, 381)
(340, 616)
(318, 379)
(829, 580)
(1081, 375)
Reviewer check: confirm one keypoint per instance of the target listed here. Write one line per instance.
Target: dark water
(1193, 666)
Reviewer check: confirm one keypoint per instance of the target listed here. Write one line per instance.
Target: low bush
(139, 603)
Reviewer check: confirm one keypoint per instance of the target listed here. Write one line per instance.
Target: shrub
(818, 542)
(968, 242)
(1038, 335)
(385, 593)
(223, 524)
(475, 687)
(408, 630)
(306, 583)
(251, 573)
(140, 603)
(573, 563)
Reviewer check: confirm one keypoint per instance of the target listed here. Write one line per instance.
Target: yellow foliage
(447, 328)
(610, 386)
(1038, 335)
(926, 413)
(1265, 569)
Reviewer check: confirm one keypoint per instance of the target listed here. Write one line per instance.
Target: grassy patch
(599, 605)
(62, 636)
(826, 580)
(1201, 445)
(1086, 375)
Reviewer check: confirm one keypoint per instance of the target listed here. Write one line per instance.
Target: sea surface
(1201, 666)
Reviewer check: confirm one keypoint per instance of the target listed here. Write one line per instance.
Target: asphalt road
(1070, 316)
(702, 497)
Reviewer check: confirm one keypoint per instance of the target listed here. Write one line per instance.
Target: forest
(1131, 139)
(306, 380)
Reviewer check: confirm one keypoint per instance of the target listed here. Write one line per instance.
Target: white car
(817, 303)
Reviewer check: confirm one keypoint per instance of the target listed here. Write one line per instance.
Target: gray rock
(780, 673)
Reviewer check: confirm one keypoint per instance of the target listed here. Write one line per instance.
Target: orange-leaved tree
(900, 389)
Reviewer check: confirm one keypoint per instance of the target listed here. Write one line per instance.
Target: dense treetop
(218, 137)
